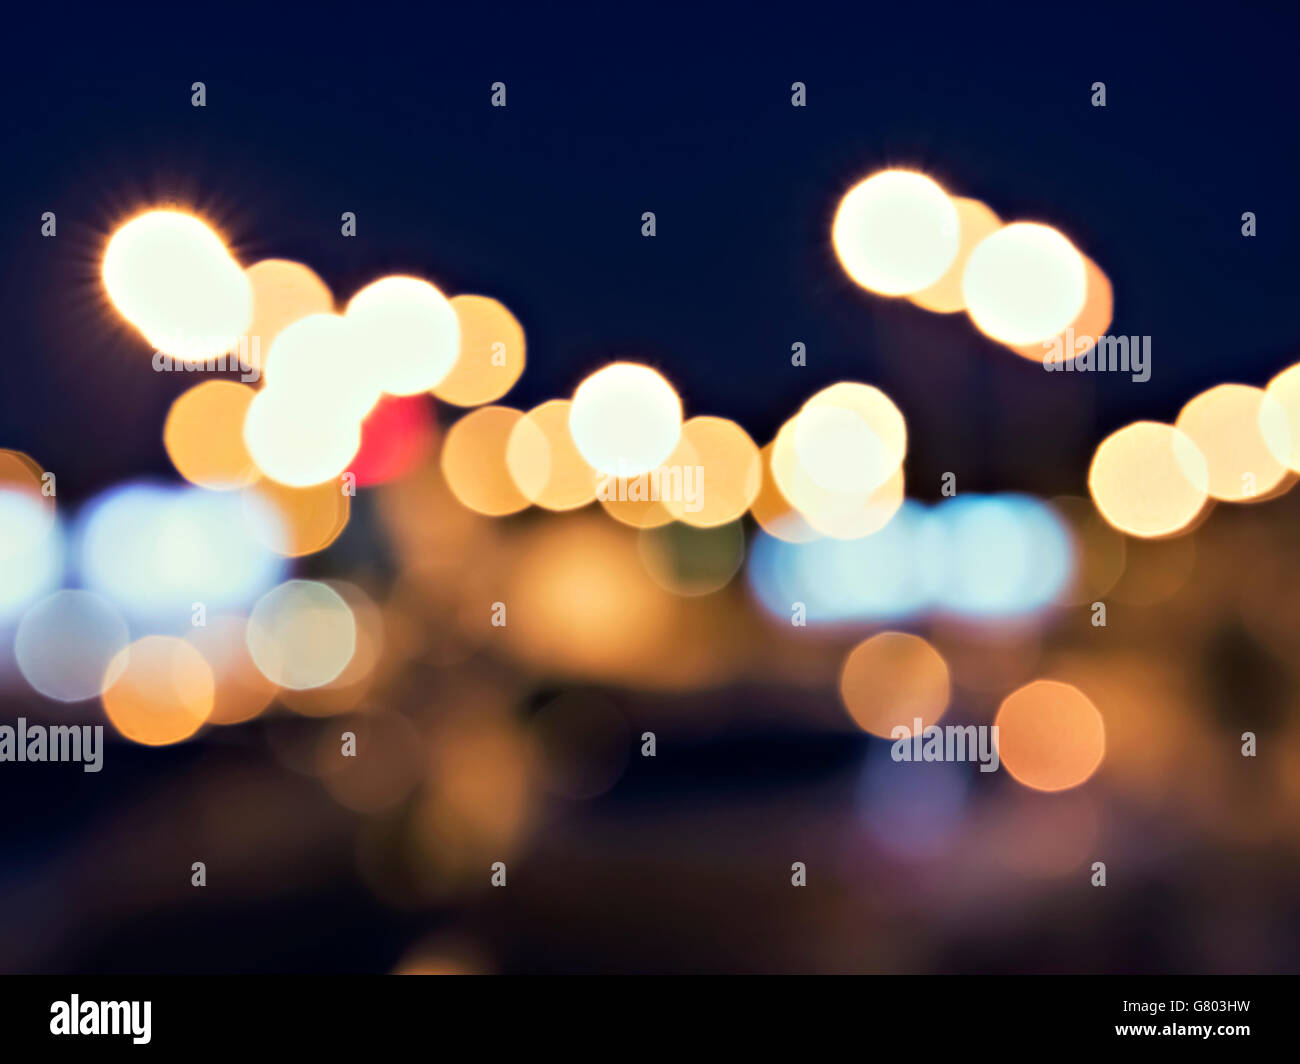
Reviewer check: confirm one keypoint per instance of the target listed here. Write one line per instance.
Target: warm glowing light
(240, 690)
(204, 435)
(65, 643)
(301, 634)
(1284, 389)
(773, 512)
(1050, 736)
(975, 221)
(896, 233)
(172, 278)
(728, 473)
(839, 514)
(850, 438)
(159, 691)
(1091, 323)
(1244, 436)
(582, 603)
(491, 356)
(296, 442)
(625, 419)
(409, 335)
(545, 462)
(892, 679)
(320, 360)
(1148, 479)
(283, 292)
(307, 520)
(474, 461)
(642, 501)
(1024, 283)
(22, 474)
(628, 503)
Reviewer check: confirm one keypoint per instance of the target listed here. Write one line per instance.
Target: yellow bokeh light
(840, 515)
(896, 233)
(408, 334)
(1089, 324)
(491, 355)
(283, 292)
(170, 275)
(1148, 479)
(204, 435)
(1024, 283)
(1284, 389)
(1050, 736)
(545, 462)
(581, 602)
(1243, 434)
(625, 419)
(642, 501)
(850, 438)
(891, 680)
(309, 519)
(728, 473)
(773, 511)
(975, 220)
(474, 461)
(159, 690)
(22, 474)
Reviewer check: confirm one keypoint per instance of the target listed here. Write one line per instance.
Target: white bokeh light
(298, 441)
(625, 419)
(408, 333)
(897, 232)
(1024, 283)
(171, 277)
(317, 358)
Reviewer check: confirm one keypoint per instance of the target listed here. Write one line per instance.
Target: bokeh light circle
(65, 642)
(301, 634)
(1148, 479)
(491, 355)
(891, 680)
(896, 233)
(170, 275)
(298, 442)
(1050, 736)
(1024, 283)
(625, 419)
(204, 435)
(1245, 438)
(408, 334)
(158, 690)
